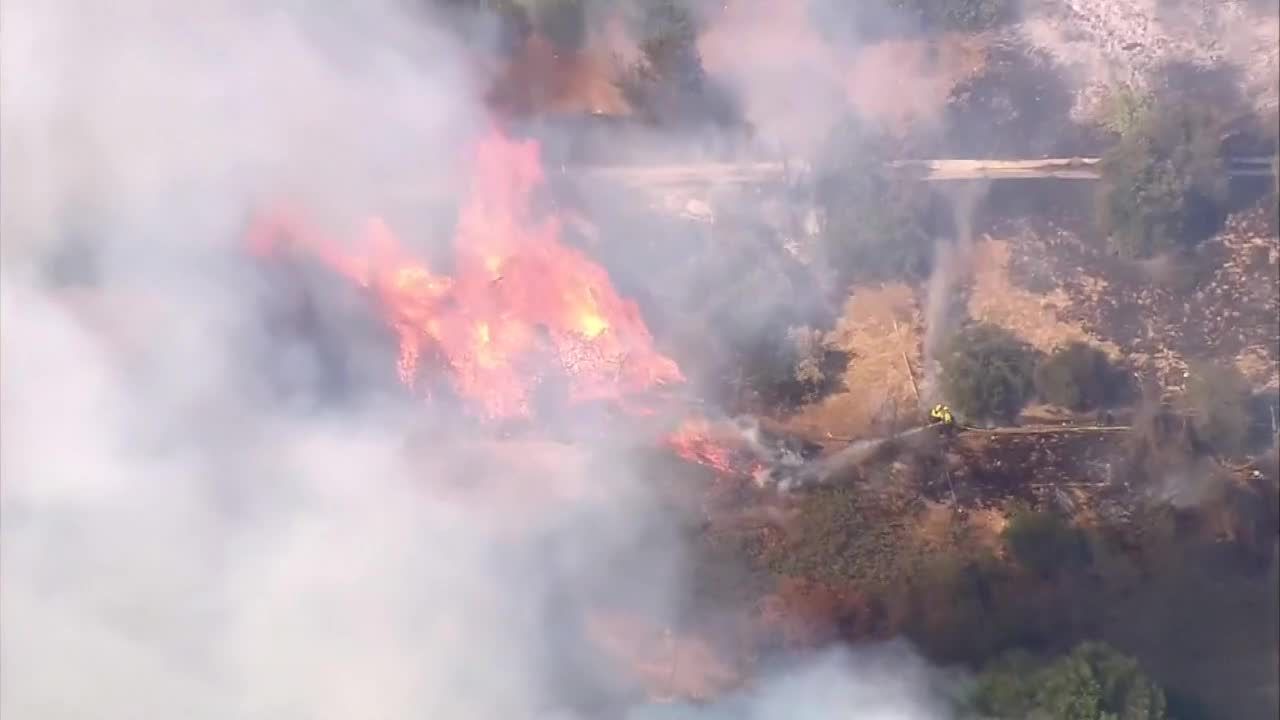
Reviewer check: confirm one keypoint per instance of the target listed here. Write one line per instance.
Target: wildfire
(519, 304)
(701, 442)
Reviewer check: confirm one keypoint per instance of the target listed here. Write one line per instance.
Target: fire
(518, 304)
(698, 441)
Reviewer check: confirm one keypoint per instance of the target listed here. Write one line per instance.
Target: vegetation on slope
(1163, 183)
(1078, 377)
(987, 373)
(1093, 682)
(1044, 543)
(875, 220)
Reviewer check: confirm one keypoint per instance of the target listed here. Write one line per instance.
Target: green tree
(1093, 682)
(1217, 400)
(1078, 377)
(668, 83)
(956, 15)
(1163, 183)
(875, 220)
(1044, 543)
(1126, 110)
(987, 373)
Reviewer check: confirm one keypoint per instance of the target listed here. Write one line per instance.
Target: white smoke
(175, 539)
(880, 682)
(951, 261)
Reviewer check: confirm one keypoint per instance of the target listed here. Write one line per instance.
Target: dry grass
(667, 665)
(1031, 316)
(879, 327)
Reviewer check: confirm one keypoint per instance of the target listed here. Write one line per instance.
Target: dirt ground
(1163, 315)
(995, 298)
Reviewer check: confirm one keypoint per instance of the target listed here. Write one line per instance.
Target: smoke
(883, 682)
(811, 63)
(950, 269)
(180, 537)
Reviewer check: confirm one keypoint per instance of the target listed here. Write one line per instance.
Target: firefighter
(941, 414)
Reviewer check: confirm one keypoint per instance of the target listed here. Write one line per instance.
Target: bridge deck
(933, 170)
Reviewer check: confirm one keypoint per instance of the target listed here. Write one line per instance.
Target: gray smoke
(950, 270)
(892, 684)
(178, 538)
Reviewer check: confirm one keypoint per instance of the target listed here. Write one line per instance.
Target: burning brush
(519, 303)
(740, 448)
(522, 313)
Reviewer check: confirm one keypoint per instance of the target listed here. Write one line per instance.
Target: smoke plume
(950, 269)
(188, 530)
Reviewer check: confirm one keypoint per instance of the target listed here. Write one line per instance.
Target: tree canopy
(987, 373)
(668, 83)
(1164, 182)
(1078, 377)
(1045, 544)
(875, 220)
(1093, 682)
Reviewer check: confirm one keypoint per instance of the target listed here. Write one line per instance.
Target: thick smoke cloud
(884, 682)
(177, 540)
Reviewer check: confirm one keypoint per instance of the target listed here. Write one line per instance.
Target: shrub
(1078, 377)
(1163, 184)
(1044, 543)
(875, 221)
(987, 373)
(668, 84)
(957, 15)
(792, 369)
(1093, 682)
(1126, 110)
(1218, 402)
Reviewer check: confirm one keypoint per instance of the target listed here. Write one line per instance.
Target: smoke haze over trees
(229, 491)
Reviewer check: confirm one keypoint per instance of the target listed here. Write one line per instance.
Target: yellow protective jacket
(941, 414)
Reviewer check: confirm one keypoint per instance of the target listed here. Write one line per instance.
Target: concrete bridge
(684, 175)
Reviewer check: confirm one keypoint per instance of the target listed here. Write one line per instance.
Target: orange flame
(698, 441)
(518, 297)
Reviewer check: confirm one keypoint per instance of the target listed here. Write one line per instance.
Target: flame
(699, 441)
(518, 303)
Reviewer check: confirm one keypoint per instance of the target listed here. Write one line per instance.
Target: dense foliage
(1163, 183)
(875, 221)
(1093, 682)
(958, 15)
(668, 84)
(788, 367)
(1044, 543)
(987, 373)
(1078, 377)
(1125, 110)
